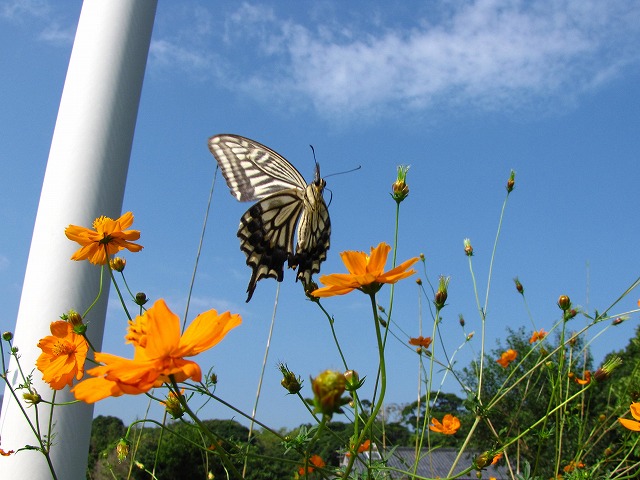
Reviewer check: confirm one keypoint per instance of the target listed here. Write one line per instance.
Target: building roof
(432, 464)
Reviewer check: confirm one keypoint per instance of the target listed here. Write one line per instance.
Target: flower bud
(290, 382)
(483, 460)
(605, 371)
(173, 406)
(468, 249)
(564, 303)
(32, 398)
(74, 318)
(213, 378)
(141, 298)
(441, 294)
(461, 320)
(117, 264)
(400, 189)
(519, 286)
(353, 380)
(122, 449)
(7, 336)
(328, 388)
(511, 182)
(619, 320)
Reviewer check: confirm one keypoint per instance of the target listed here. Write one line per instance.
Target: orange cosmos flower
(536, 336)
(632, 424)
(450, 425)
(507, 357)
(63, 355)
(572, 466)
(584, 381)
(7, 453)
(107, 234)
(420, 341)
(159, 352)
(366, 273)
(316, 461)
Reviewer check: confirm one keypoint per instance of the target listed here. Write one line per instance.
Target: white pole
(85, 178)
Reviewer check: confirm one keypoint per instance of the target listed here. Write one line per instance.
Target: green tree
(515, 397)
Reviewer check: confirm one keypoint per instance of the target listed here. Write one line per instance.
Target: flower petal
(630, 424)
(356, 262)
(206, 330)
(378, 259)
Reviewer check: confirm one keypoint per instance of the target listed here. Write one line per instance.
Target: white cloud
(54, 33)
(18, 9)
(489, 53)
(165, 52)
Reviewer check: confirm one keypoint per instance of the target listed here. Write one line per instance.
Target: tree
(515, 397)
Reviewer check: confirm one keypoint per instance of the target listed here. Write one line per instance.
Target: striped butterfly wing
(255, 172)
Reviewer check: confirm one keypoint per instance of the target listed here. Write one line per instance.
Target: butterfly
(286, 205)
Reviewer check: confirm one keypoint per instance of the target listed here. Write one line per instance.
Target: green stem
(383, 387)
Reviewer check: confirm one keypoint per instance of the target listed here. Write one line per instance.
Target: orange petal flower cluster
(107, 238)
(159, 353)
(584, 381)
(450, 425)
(362, 448)
(536, 336)
(572, 466)
(420, 341)
(366, 273)
(507, 357)
(63, 355)
(315, 461)
(632, 424)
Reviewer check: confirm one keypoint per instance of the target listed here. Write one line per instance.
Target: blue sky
(463, 91)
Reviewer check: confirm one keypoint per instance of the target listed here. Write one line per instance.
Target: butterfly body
(286, 207)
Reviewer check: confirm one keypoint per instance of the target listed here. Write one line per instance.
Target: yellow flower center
(98, 222)
(63, 348)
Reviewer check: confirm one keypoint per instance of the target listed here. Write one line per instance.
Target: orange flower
(450, 425)
(497, 458)
(159, 352)
(632, 424)
(507, 357)
(538, 336)
(584, 381)
(107, 234)
(7, 453)
(366, 273)
(420, 341)
(63, 355)
(365, 446)
(316, 461)
(572, 466)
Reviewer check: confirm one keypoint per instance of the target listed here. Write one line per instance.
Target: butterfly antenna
(346, 171)
(313, 150)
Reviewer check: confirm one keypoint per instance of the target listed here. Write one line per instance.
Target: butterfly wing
(255, 172)
(252, 170)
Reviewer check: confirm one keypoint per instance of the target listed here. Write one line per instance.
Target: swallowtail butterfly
(285, 201)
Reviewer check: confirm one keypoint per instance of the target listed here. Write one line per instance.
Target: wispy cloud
(39, 15)
(19, 9)
(56, 34)
(490, 53)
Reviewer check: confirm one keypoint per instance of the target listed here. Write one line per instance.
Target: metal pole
(85, 178)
